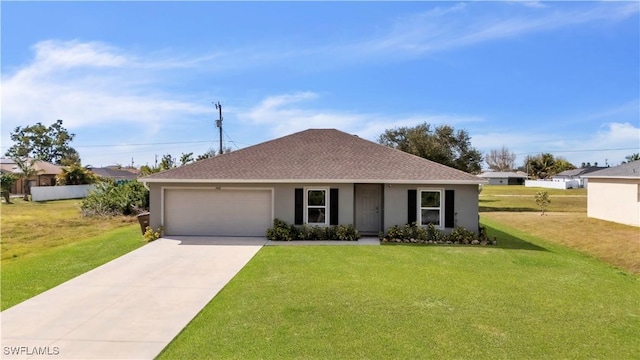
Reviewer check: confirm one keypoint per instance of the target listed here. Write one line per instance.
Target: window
(316, 200)
(430, 203)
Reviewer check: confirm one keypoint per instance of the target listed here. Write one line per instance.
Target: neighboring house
(113, 173)
(614, 194)
(576, 175)
(504, 177)
(46, 174)
(316, 177)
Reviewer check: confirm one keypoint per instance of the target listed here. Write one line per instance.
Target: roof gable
(322, 155)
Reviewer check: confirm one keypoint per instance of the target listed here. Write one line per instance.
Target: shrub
(150, 235)
(109, 199)
(281, 231)
(347, 233)
(430, 234)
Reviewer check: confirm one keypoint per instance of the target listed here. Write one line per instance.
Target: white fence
(45, 193)
(550, 184)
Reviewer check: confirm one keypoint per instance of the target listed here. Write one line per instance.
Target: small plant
(281, 231)
(347, 233)
(542, 200)
(150, 234)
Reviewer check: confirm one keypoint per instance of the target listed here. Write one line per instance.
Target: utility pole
(219, 124)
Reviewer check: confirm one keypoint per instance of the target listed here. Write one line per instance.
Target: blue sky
(136, 79)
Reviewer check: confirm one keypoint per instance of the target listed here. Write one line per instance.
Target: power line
(145, 144)
(574, 151)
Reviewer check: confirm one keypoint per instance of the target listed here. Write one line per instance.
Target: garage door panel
(210, 212)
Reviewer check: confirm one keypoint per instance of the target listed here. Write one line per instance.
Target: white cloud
(86, 84)
(610, 144)
(458, 25)
(287, 113)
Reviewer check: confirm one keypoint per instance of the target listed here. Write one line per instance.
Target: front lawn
(525, 298)
(516, 198)
(45, 244)
(31, 227)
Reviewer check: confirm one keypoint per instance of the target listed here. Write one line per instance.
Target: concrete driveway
(129, 308)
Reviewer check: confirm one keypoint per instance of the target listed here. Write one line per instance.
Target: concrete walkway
(129, 308)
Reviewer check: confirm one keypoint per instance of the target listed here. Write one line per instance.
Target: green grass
(28, 276)
(525, 298)
(31, 227)
(516, 198)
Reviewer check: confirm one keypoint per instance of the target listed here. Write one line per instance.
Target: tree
(167, 162)
(543, 166)
(542, 200)
(186, 158)
(76, 175)
(27, 168)
(6, 181)
(501, 159)
(441, 144)
(212, 153)
(48, 143)
(632, 157)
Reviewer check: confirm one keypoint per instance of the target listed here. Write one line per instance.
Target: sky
(136, 80)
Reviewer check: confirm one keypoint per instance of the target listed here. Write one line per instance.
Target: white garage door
(211, 212)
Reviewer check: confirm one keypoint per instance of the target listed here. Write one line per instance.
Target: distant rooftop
(628, 170)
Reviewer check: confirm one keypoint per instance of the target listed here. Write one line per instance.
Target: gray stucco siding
(465, 204)
(283, 198)
(395, 201)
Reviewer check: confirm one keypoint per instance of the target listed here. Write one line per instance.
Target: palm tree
(27, 169)
(633, 157)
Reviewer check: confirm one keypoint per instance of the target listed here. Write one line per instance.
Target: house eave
(612, 177)
(314, 181)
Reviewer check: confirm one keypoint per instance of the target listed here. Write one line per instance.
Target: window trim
(307, 206)
(420, 207)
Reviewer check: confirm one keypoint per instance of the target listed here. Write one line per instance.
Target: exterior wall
(283, 198)
(553, 184)
(45, 193)
(616, 200)
(466, 204)
(498, 181)
(394, 201)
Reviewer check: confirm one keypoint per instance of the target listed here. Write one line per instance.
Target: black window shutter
(449, 209)
(333, 210)
(299, 207)
(412, 206)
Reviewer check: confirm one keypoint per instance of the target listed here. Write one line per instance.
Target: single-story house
(614, 194)
(504, 177)
(576, 175)
(46, 174)
(315, 177)
(113, 173)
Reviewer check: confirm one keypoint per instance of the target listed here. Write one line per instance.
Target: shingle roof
(628, 170)
(502, 174)
(43, 167)
(322, 155)
(578, 172)
(113, 173)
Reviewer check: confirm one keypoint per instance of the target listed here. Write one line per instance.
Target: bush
(110, 199)
(431, 235)
(281, 231)
(150, 235)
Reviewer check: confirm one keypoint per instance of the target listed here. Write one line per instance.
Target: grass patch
(517, 198)
(528, 299)
(614, 243)
(47, 243)
(28, 276)
(31, 227)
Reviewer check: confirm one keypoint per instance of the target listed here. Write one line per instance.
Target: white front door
(368, 208)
